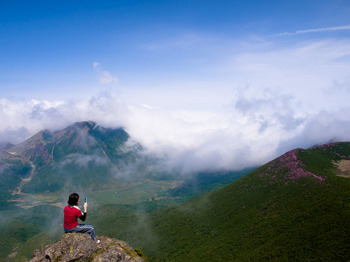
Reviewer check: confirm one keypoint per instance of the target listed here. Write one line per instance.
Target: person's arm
(83, 216)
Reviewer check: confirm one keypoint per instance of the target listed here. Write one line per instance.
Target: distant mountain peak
(56, 155)
(84, 124)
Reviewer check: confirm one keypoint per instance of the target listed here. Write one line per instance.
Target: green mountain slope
(295, 208)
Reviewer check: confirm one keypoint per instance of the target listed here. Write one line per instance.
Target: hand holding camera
(85, 205)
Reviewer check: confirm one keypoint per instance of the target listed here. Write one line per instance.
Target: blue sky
(206, 79)
(51, 45)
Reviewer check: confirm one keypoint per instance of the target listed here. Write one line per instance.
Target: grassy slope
(268, 215)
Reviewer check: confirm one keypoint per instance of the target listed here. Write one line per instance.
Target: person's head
(73, 199)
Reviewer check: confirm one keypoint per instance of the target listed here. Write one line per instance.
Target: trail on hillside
(24, 181)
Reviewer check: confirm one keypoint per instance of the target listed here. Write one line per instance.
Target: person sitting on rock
(71, 214)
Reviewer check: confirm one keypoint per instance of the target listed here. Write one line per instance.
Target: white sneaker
(98, 242)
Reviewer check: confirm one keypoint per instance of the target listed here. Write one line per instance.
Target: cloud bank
(251, 134)
(273, 99)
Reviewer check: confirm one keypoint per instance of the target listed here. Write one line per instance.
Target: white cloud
(25, 118)
(315, 30)
(105, 77)
(305, 71)
(96, 64)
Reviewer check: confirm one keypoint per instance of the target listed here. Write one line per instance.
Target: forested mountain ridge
(294, 208)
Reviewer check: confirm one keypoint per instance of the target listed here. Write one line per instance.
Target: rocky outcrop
(80, 247)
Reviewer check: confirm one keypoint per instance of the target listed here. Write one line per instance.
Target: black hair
(73, 199)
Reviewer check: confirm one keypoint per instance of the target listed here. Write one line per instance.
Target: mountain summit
(81, 137)
(80, 247)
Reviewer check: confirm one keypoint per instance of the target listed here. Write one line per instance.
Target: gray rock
(80, 247)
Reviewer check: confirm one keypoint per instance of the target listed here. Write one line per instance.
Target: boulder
(80, 247)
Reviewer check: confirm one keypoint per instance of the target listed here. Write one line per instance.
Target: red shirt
(71, 214)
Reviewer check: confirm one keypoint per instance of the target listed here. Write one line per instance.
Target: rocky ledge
(80, 247)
